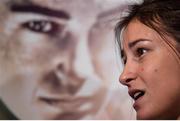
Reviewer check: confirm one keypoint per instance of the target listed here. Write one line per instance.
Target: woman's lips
(137, 95)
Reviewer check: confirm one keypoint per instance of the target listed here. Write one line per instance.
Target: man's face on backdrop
(54, 56)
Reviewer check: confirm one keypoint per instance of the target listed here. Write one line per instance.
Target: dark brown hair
(163, 16)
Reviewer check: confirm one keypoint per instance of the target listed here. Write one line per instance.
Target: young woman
(149, 40)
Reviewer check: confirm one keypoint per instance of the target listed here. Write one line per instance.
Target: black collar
(5, 113)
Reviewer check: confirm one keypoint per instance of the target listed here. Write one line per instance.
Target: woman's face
(151, 73)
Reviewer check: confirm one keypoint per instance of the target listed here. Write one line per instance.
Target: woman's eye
(42, 26)
(140, 51)
(123, 57)
(124, 60)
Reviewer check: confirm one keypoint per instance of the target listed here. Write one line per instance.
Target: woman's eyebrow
(133, 43)
(33, 8)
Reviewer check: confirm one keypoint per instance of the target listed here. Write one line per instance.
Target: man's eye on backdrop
(43, 26)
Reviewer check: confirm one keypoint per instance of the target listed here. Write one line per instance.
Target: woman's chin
(144, 115)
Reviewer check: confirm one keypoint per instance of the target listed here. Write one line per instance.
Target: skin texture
(58, 72)
(153, 67)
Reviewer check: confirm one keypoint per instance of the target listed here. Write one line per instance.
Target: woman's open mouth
(137, 95)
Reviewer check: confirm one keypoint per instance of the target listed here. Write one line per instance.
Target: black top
(5, 113)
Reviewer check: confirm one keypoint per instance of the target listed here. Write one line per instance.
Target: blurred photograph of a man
(57, 60)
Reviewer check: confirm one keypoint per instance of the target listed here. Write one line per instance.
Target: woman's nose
(129, 73)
